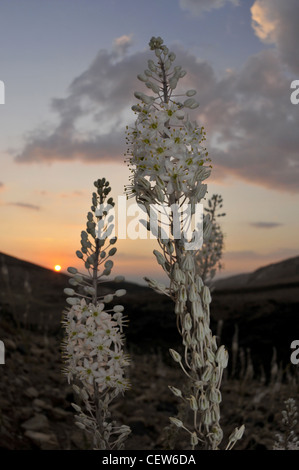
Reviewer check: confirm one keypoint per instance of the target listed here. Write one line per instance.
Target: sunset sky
(69, 69)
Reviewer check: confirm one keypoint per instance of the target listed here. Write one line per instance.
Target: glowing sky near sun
(69, 70)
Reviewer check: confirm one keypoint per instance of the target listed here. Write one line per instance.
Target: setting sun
(57, 267)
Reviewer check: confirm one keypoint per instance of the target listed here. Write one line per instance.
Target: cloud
(252, 131)
(252, 125)
(279, 254)
(197, 7)
(1, 185)
(265, 224)
(122, 44)
(91, 119)
(25, 205)
(276, 22)
(71, 194)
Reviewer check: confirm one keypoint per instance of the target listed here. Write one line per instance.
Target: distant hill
(283, 272)
(263, 306)
(33, 294)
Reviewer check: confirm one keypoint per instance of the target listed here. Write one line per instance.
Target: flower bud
(182, 294)
(189, 102)
(177, 273)
(237, 434)
(215, 395)
(207, 417)
(160, 258)
(69, 291)
(176, 422)
(187, 322)
(175, 391)
(76, 407)
(72, 300)
(210, 356)
(222, 357)
(200, 332)
(197, 310)
(118, 308)
(167, 64)
(120, 292)
(194, 105)
(203, 402)
(80, 425)
(173, 81)
(108, 264)
(206, 295)
(207, 373)
(179, 308)
(217, 433)
(158, 193)
(141, 96)
(194, 439)
(191, 93)
(199, 282)
(214, 343)
(175, 355)
(215, 413)
(153, 87)
(193, 293)
(193, 403)
(72, 270)
(197, 361)
(142, 78)
(151, 66)
(136, 108)
(188, 263)
(215, 376)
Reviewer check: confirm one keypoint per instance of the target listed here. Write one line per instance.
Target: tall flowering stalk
(288, 440)
(93, 345)
(169, 165)
(208, 258)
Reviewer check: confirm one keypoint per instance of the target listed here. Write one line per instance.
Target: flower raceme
(169, 167)
(165, 147)
(208, 258)
(94, 340)
(95, 347)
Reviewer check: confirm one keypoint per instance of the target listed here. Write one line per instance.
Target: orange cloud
(263, 23)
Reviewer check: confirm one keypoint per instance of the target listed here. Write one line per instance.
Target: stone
(31, 392)
(78, 439)
(42, 440)
(24, 413)
(9, 344)
(59, 414)
(39, 404)
(39, 422)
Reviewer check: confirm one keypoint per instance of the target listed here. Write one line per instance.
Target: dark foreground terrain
(35, 399)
